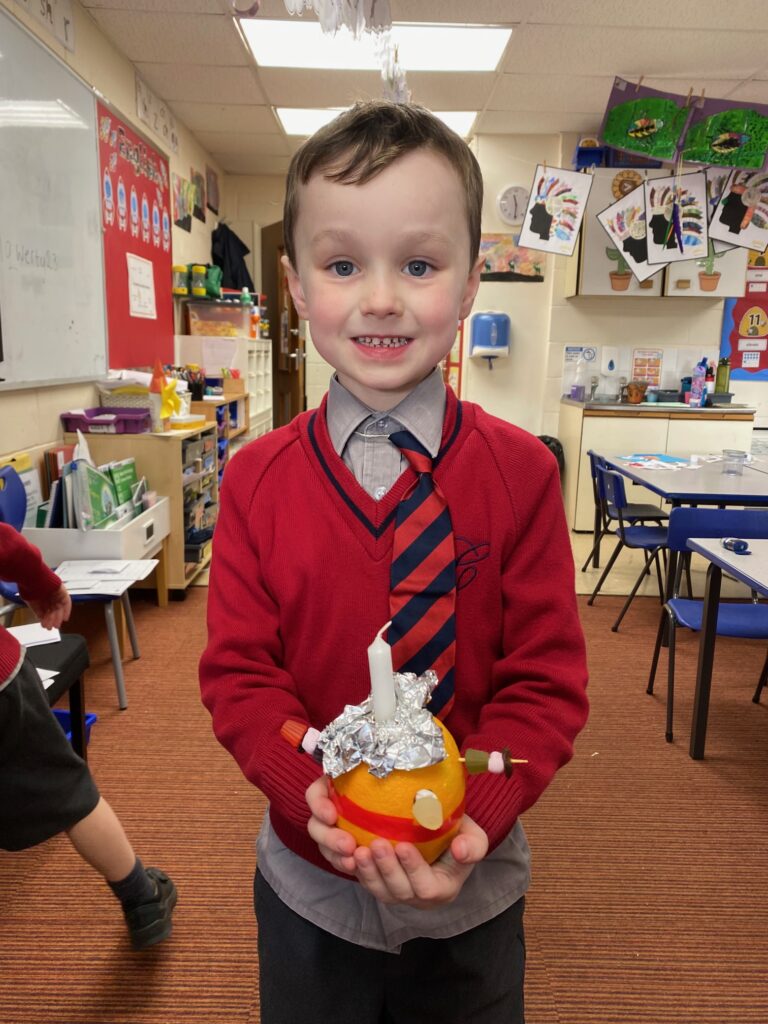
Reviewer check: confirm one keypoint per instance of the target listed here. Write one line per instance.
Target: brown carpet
(648, 867)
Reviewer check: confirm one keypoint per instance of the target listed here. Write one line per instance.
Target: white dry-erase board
(52, 315)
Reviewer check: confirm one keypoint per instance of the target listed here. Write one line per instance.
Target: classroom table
(69, 657)
(751, 569)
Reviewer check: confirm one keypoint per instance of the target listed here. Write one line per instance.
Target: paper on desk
(33, 634)
(98, 571)
(47, 676)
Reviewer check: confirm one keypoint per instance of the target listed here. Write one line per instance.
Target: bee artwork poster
(555, 210)
(741, 217)
(727, 133)
(676, 213)
(646, 121)
(627, 228)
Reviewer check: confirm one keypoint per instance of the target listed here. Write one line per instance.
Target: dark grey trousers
(307, 974)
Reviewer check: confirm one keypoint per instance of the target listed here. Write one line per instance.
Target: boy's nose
(381, 297)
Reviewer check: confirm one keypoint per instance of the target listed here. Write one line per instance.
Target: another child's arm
(41, 589)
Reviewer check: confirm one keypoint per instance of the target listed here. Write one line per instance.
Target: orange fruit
(371, 808)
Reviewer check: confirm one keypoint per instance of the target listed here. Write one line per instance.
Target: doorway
(288, 348)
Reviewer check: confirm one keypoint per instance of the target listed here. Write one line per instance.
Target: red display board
(136, 219)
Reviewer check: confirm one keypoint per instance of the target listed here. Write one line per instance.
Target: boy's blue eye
(343, 268)
(417, 268)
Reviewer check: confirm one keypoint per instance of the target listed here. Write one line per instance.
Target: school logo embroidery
(468, 555)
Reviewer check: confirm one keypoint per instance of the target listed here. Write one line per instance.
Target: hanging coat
(229, 252)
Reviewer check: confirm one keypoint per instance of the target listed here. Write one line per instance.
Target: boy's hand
(401, 875)
(335, 845)
(54, 610)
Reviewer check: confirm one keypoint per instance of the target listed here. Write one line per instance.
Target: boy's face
(383, 274)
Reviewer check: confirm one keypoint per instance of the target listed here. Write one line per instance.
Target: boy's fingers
(379, 870)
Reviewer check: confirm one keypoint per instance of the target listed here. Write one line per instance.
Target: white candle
(382, 682)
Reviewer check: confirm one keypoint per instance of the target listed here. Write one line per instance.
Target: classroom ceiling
(555, 75)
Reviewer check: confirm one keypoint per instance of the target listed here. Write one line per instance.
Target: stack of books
(89, 497)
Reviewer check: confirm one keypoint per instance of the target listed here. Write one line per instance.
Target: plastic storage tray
(112, 421)
(64, 719)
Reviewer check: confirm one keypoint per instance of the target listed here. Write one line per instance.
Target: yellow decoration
(754, 323)
(358, 794)
(171, 403)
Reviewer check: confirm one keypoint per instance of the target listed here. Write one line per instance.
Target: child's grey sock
(137, 887)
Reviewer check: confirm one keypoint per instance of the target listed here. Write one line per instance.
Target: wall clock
(511, 204)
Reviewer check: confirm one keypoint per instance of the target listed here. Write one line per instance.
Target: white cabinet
(704, 436)
(260, 385)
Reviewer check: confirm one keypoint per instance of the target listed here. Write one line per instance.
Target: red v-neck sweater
(21, 563)
(299, 586)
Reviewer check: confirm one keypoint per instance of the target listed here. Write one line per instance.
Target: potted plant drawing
(621, 276)
(708, 276)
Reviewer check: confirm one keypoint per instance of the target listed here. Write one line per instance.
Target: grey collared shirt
(343, 907)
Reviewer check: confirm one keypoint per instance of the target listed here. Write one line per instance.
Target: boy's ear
(294, 286)
(470, 290)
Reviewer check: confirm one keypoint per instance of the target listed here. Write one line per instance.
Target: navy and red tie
(423, 580)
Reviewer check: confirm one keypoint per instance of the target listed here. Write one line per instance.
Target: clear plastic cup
(733, 461)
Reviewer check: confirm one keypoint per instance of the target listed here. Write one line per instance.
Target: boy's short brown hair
(362, 141)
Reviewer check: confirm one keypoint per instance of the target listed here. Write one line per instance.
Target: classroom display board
(52, 307)
(136, 218)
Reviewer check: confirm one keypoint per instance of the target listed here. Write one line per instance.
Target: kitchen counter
(664, 409)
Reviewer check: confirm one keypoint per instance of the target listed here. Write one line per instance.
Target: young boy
(45, 788)
(382, 233)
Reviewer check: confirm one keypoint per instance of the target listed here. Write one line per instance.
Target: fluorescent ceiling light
(38, 114)
(307, 120)
(302, 44)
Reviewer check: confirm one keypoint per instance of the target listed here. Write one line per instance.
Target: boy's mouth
(379, 341)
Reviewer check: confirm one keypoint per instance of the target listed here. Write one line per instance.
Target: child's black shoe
(150, 922)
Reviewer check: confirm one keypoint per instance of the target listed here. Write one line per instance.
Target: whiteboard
(52, 308)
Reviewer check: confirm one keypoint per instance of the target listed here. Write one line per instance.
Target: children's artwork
(727, 133)
(504, 260)
(638, 119)
(197, 182)
(555, 210)
(676, 210)
(182, 202)
(742, 214)
(604, 268)
(717, 179)
(626, 227)
(212, 189)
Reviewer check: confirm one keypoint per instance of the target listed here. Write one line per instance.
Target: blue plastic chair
(605, 516)
(746, 619)
(13, 506)
(651, 540)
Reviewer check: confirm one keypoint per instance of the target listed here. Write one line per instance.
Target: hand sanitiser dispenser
(489, 337)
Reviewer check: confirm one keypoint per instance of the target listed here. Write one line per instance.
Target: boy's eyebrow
(338, 235)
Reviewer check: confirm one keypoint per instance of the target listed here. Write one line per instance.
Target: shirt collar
(421, 412)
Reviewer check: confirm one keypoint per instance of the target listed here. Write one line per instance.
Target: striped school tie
(423, 580)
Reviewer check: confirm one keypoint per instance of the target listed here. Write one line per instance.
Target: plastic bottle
(698, 384)
(579, 386)
(709, 380)
(245, 298)
(254, 326)
(723, 377)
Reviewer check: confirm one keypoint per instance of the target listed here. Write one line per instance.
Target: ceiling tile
(479, 12)
(751, 92)
(240, 144)
(509, 122)
(570, 49)
(214, 117)
(451, 91)
(659, 14)
(304, 87)
(252, 164)
(159, 6)
(197, 83)
(170, 38)
(550, 92)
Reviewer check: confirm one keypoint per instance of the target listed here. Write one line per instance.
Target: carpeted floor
(648, 868)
